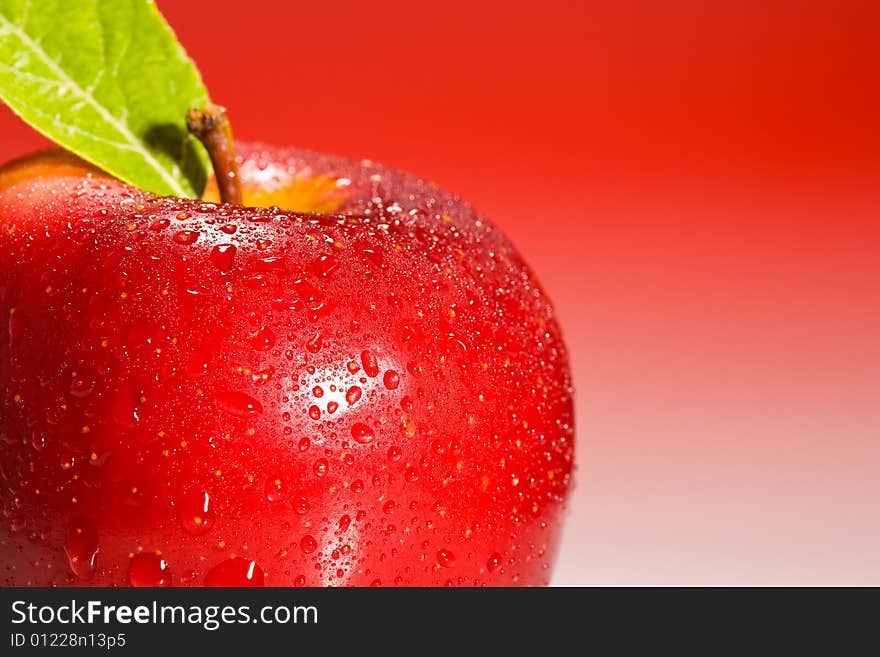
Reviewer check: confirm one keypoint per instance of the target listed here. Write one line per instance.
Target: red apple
(367, 386)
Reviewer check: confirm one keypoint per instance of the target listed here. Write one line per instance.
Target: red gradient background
(697, 185)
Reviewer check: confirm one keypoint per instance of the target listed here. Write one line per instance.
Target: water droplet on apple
(236, 572)
(324, 265)
(196, 513)
(321, 467)
(314, 345)
(274, 489)
(222, 256)
(81, 547)
(493, 562)
(353, 394)
(391, 379)
(362, 433)
(81, 387)
(186, 237)
(308, 544)
(238, 404)
(146, 570)
(368, 361)
(16, 326)
(38, 440)
(445, 558)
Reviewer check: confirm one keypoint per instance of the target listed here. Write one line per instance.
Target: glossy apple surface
(366, 387)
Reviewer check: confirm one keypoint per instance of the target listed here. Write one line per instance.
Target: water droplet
(301, 506)
(494, 562)
(314, 345)
(321, 467)
(236, 572)
(268, 263)
(362, 433)
(344, 523)
(308, 544)
(394, 454)
(388, 507)
(238, 404)
(38, 440)
(304, 444)
(274, 489)
(391, 379)
(324, 265)
(186, 236)
(81, 387)
(223, 256)
(445, 558)
(196, 513)
(318, 391)
(148, 570)
(299, 580)
(357, 486)
(16, 326)
(353, 394)
(314, 412)
(411, 474)
(263, 339)
(368, 361)
(81, 546)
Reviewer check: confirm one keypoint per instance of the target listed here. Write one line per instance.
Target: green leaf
(108, 80)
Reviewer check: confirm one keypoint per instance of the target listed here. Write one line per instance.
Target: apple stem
(212, 127)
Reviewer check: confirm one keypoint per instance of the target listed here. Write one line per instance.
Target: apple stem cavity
(211, 126)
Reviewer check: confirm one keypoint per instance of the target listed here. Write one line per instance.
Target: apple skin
(203, 394)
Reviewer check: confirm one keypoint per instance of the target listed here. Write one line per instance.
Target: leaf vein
(132, 142)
